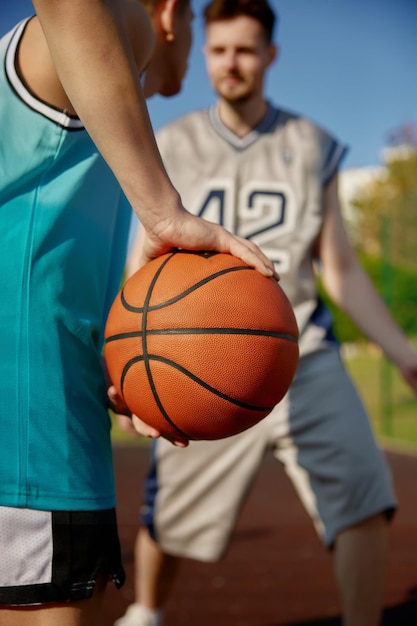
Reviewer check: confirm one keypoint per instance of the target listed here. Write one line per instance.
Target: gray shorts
(56, 556)
(321, 434)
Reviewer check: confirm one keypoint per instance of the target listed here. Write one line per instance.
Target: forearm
(107, 95)
(356, 295)
(96, 65)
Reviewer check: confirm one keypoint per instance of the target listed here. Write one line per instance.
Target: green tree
(402, 302)
(386, 208)
(385, 234)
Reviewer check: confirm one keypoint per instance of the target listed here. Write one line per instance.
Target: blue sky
(350, 65)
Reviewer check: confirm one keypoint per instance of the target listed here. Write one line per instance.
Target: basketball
(200, 345)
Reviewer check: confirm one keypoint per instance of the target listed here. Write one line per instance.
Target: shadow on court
(276, 572)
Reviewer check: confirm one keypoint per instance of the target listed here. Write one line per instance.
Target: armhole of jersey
(336, 154)
(62, 118)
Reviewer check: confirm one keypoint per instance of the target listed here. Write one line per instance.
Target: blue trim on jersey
(334, 158)
(323, 318)
(336, 153)
(241, 143)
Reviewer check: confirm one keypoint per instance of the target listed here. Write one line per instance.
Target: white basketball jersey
(267, 187)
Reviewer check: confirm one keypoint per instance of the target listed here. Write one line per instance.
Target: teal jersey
(64, 223)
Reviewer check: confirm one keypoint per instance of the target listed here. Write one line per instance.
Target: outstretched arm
(91, 51)
(351, 289)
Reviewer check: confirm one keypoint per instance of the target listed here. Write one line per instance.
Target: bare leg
(155, 572)
(360, 565)
(81, 613)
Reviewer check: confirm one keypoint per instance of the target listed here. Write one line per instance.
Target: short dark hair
(259, 10)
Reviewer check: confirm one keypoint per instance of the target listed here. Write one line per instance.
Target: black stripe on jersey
(22, 91)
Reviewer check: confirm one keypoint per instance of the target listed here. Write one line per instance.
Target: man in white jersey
(271, 176)
(65, 221)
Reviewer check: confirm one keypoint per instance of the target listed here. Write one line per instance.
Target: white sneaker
(137, 615)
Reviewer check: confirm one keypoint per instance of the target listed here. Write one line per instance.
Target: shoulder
(184, 125)
(184, 134)
(319, 146)
(37, 69)
(304, 126)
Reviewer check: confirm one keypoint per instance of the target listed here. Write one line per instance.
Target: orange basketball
(200, 345)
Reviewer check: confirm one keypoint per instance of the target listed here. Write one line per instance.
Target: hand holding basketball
(192, 232)
(200, 345)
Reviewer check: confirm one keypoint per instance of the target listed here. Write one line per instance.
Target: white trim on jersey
(55, 115)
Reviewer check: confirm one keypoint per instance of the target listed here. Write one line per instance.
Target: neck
(150, 86)
(242, 117)
(153, 80)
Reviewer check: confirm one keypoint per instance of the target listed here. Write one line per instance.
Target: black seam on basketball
(178, 297)
(147, 358)
(205, 331)
(154, 393)
(213, 390)
(196, 379)
(144, 335)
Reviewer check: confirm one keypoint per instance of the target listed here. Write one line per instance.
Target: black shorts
(56, 556)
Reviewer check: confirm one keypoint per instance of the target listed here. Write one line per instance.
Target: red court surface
(276, 572)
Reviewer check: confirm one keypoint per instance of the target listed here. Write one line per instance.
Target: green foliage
(397, 286)
(386, 209)
(392, 408)
(385, 235)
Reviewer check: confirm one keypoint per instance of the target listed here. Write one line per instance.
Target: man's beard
(237, 99)
(233, 96)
